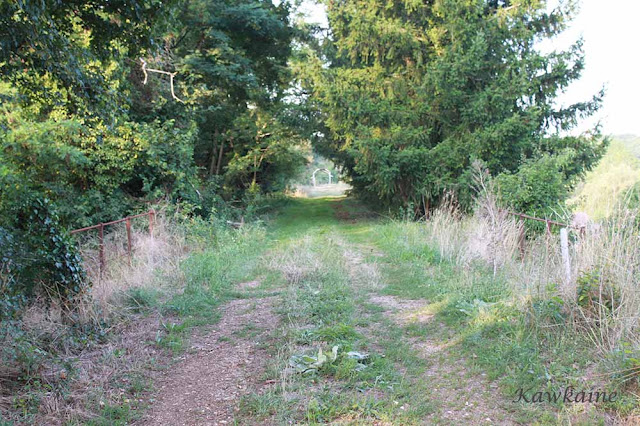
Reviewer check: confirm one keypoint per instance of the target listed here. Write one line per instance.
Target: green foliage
(339, 332)
(140, 299)
(79, 127)
(414, 93)
(596, 294)
(535, 188)
(93, 172)
(233, 54)
(63, 42)
(210, 273)
(549, 309)
(38, 255)
(11, 299)
(65, 135)
(268, 157)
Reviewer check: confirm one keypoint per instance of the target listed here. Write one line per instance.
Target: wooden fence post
(522, 238)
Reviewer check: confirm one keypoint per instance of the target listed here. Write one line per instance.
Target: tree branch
(171, 74)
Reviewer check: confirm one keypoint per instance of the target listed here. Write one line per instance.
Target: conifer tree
(415, 91)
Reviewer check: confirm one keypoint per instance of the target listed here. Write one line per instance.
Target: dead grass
(604, 265)
(155, 264)
(296, 265)
(89, 356)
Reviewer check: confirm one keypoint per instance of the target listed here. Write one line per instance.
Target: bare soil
(205, 386)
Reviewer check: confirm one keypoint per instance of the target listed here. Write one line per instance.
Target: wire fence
(564, 238)
(151, 215)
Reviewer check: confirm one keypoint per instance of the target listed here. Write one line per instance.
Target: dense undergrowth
(86, 361)
(502, 307)
(503, 311)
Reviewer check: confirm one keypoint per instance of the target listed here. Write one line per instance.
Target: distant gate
(313, 177)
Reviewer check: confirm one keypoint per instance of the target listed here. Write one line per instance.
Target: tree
(414, 92)
(61, 41)
(232, 56)
(69, 153)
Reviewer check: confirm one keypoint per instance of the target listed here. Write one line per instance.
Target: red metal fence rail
(548, 222)
(100, 227)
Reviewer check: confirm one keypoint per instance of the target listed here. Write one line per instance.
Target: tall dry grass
(82, 346)
(602, 293)
(154, 264)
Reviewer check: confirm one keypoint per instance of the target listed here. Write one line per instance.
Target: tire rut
(206, 385)
(462, 397)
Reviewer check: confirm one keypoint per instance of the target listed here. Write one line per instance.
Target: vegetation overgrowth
(210, 111)
(108, 107)
(472, 308)
(88, 361)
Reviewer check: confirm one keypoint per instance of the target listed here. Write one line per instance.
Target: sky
(611, 33)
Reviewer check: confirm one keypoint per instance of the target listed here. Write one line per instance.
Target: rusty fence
(564, 238)
(127, 220)
(548, 222)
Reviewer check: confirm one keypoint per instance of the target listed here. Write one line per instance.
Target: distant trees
(413, 92)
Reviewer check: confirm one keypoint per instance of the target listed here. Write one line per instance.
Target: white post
(564, 245)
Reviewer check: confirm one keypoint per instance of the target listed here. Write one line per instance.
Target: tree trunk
(213, 152)
(220, 158)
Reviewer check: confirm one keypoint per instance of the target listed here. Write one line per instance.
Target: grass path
(331, 330)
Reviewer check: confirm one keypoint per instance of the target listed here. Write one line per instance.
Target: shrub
(536, 188)
(94, 172)
(38, 255)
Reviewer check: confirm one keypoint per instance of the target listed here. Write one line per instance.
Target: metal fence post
(101, 247)
(152, 214)
(128, 224)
